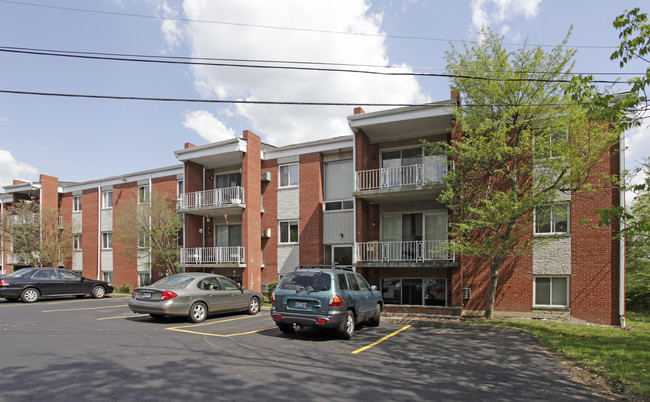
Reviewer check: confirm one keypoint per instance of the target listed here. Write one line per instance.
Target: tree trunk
(492, 288)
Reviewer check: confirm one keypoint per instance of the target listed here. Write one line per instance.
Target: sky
(80, 139)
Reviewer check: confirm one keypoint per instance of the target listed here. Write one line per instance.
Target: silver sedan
(194, 295)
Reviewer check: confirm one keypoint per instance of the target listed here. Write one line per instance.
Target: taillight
(168, 294)
(133, 294)
(336, 301)
(277, 317)
(272, 297)
(321, 321)
(4, 283)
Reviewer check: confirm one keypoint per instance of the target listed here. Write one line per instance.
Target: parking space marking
(84, 308)
(181, 328)
(50, 303)
(381, 340)
(123, 316)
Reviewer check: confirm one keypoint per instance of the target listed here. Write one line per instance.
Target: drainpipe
(2, 239)
(203, 217)
(151, 279)
(354, 203)
(621, 254)
(99, 229)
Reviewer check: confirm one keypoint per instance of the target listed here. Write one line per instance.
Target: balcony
(412, 178)
(213, 256)
(404, 251)
(215, 199)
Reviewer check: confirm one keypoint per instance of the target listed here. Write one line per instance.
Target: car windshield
(178, 281)
(22, 273)
(309, 281)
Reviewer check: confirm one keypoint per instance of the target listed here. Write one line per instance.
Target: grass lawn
(621, 357)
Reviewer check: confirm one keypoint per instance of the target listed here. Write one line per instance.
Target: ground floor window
(552, 291)
(144, 278)
(415, 291)
(107, 276)
(338, 255)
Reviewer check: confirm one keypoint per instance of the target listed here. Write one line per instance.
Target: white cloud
(11, 169)
(171, 29)
(207, 126)
(280, 125)
(492, 13)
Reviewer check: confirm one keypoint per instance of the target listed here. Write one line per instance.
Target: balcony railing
(212, 198)
(212, 255)
(417, 175)
(404, 251)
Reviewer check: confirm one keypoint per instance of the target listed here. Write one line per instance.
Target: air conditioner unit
(266, 233)
(467, 292)
(266, 176)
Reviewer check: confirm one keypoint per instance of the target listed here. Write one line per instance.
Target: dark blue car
(325, 298)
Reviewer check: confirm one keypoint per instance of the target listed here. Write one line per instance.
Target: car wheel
(286, 328)
(346, 329)
(30, 295)
(374, 320)
(198, 312)
(157, 316)
(98, 292)
(253, 306)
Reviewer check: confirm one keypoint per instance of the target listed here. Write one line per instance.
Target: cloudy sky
(79, 139)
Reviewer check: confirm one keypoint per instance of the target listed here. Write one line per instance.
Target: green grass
(621, 357)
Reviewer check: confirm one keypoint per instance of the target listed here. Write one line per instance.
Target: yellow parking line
(380, 341)
(180, 328)
(123, 316)
(211, 322)
(85, 308)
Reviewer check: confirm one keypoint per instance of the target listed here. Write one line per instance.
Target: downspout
(2, 239)
(621, 254)
(99, 229)
(354, 204)
(203, 217)
(151, 279)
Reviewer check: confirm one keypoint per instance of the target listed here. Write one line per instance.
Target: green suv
(325, 297)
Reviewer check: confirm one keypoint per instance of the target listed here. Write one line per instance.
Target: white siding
(337, 223)
(143, 261)
(288, 203)
(107, 220)
(552, 257)
(107, 260)
(77, 261)
(288, 258)
(76, 222)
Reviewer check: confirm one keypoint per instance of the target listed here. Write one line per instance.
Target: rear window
(178, 281)
(309, 281)
(21, 273)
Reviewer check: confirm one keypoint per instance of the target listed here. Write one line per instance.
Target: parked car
(194, 295)
(32, 284)
(325, 298)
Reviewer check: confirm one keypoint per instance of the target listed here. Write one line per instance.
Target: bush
(123, 289)
(269, 289)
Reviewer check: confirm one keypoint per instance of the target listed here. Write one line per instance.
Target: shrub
(269, 289)
(123, 289)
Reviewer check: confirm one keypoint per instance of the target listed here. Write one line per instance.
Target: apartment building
(253, 211)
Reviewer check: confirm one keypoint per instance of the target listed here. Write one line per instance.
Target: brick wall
(251, 218)
(66, 213)
(125, 265)
(270, 220)
(166, 186)
(90, 237)
(311, 209)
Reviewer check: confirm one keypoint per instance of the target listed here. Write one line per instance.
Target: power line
(294, 68)
(263, 102)
(406, 37)
(56, 52)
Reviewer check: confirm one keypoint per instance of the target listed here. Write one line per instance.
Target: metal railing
(212, 198)
(401, 176)
(213, 255)
(407, 251)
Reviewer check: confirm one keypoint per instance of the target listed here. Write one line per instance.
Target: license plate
(301, 304)
(146, 295)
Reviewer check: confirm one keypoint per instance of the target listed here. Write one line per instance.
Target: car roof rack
(332, 267)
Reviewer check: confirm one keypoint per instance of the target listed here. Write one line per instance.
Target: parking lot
(81, 349)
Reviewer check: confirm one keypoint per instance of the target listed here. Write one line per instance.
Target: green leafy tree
(34, 237)
(151, 227)
(523, 145)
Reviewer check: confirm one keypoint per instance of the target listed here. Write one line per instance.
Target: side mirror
(373, 287)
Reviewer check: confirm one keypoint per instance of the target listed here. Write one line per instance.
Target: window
(143, 194)
(76, 203)
(552, 219)
(107, 240)
(107, 276)
(107, 199)
(144, 279)
(411, 166)
(143, 240)
(338, 255)
(289, 232)
(227, 180)
(338, 186)
(228, 284)
(550, 144)
(227, 236)
(179, 189)
(76, 242)
(415, 291)
(552, 291)
(289, 175)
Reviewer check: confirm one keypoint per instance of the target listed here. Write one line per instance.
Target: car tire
(346, 329)
(157, 316)
(98, 292)
(286, 328)
(30, 295)
(253, 306)
(198, 312)
(374, 320)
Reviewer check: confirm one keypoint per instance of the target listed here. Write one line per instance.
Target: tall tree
(150, 227)
(34, 235)
(522, 145)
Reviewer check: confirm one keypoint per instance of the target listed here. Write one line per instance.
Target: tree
(153, 227)
(523, 145)
(34, 236)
